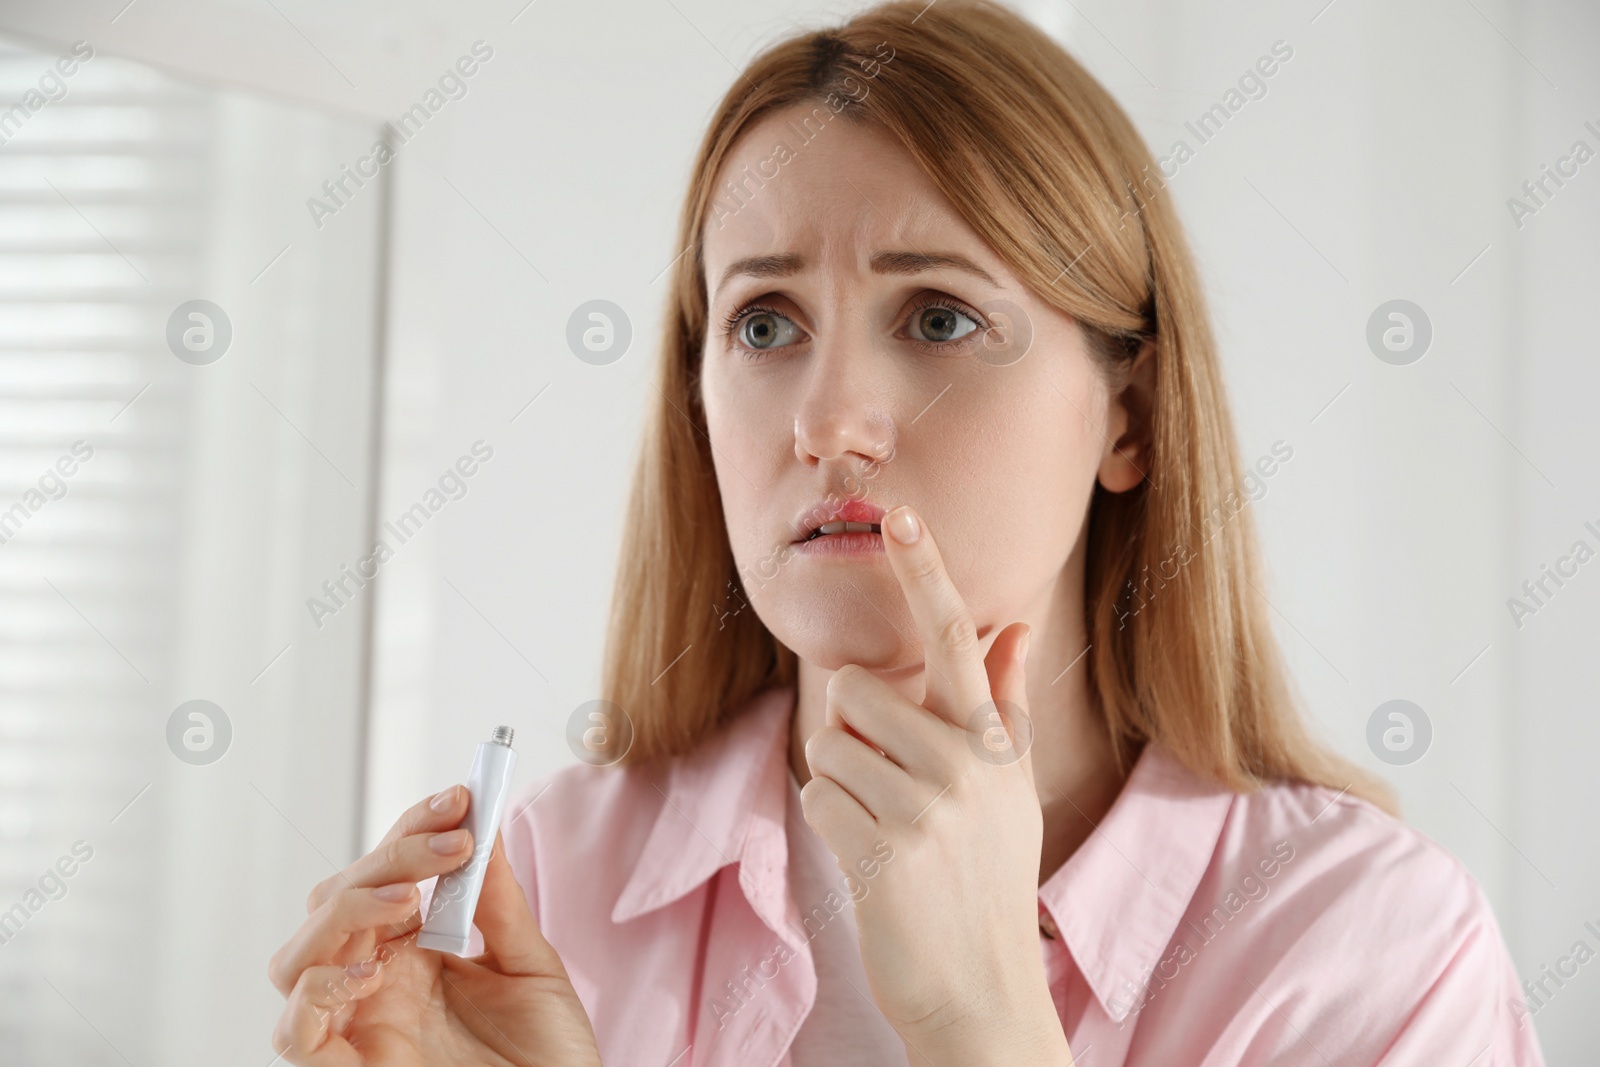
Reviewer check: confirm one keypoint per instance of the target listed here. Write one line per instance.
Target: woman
(951, 728)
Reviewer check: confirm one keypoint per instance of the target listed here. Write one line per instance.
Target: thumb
(511, 939)
(1006, 665)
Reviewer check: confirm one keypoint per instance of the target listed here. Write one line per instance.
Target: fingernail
(442, 800)
(399, 891)
(364, 969)
(444, 844)
(903, 524)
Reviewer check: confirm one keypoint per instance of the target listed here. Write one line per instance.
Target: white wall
(1377, 167)
(217, 498)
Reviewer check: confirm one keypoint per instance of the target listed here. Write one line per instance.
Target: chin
(829, 632)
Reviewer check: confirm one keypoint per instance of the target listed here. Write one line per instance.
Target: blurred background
(270, 269)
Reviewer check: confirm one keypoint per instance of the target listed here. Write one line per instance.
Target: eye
(940, 323)
(766, 329)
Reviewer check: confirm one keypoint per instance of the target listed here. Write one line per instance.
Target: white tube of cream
(448, 927)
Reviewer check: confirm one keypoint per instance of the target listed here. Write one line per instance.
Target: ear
(1127, 454)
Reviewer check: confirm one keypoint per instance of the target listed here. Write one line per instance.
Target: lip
(840, 545)
(831, 509)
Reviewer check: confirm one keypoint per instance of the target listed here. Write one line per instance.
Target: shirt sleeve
(1474, 1013)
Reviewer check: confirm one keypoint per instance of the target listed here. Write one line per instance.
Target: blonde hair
(1038, 158)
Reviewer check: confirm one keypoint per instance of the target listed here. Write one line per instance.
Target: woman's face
(862, 370)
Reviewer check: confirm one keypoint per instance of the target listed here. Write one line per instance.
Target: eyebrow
(784, 264)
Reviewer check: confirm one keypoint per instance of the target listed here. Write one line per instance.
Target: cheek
(747, 448)
(1023, 449)
(1014, 479)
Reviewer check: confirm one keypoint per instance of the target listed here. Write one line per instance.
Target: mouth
(828, 529)
(831, 517)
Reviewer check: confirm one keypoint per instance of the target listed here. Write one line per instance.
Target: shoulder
(1365, 915)
(1342, 854)
(1346, 880)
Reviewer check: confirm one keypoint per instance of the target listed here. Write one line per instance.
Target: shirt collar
(723, 803)
(1118, 899)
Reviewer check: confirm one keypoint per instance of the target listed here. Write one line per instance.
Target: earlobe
(1127, 458)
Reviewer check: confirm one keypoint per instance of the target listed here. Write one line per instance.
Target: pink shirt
(1292, 926)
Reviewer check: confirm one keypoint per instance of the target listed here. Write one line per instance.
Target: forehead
(826, 188)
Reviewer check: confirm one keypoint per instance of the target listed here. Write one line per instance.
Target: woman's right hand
(360, 991)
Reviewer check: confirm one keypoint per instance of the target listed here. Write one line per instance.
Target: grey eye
(941, 324)
(766, 330)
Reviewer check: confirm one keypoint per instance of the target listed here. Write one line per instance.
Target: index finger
(442, 811)
(958, 683)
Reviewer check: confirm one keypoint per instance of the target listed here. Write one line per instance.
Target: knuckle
(280, 1036)
(275, 975)
(338, 909)
(300, 998)
(924, 570)
(819, 745)
(813, 793)
(808, 803)
(415, 817)
(949, 769)
(817, 761)
(319, 988)
(394, 853)
(959, 634)
(289, 1023)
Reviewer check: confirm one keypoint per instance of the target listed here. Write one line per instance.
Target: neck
(1076, 778)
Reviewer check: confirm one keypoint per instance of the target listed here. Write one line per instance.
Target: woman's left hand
(949, 924)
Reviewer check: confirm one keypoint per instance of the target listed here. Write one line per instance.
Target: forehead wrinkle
(922, 225)
(836, 226)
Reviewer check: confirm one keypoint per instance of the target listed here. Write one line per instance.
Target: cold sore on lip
(834, 527)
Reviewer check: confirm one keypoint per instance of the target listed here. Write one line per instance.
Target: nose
(842, 412)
